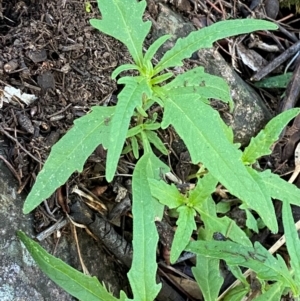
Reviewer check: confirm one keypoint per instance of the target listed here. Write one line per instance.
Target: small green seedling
(185, 103)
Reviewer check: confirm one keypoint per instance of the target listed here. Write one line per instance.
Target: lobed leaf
(256, 258)
(83, 287)
(70, 153)
(200, 128)
(186, 225)
(274, 293)
(166, 194)
(204, 188)
(204, 92)
(223, 225)
(280, 189)
(129, 98)
(123, 20)
(207, 275)
(142, 275)
(205, 37)
(155, 169)
(238, 274)
(155, 140)
(251, 222)
(261, 144)
(197, 81)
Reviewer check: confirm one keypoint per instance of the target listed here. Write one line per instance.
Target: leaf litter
(80, 65)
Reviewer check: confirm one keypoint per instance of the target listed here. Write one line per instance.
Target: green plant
(185, 104)
(278, 81)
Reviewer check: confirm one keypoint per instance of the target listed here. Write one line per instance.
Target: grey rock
(250, 113)
(20, 277)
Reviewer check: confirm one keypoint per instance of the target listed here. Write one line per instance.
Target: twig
(275, 63)
(73, 227)
(59, 112)
(11, 169)
(293, 90)
(19, 144)
(57, 226)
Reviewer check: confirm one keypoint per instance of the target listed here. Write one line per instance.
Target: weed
(185, 100)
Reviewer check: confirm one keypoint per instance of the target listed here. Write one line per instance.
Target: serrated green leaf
(70, 153)
(197, 81)
(155, 170)
(200, 128)
(194, 77)
(274, 293)
(207, 275)
(186, 225)
(257, 258)
(278, 81)
(204, 188)
(122, 68)
(166, 194)
(156, 98)
(251, 222)
(205, 37)
(292, 240)
(123, 20)
(203, 92)
(266, 202)
(142, 275)
(237, 273)
(83, 287)
(281, 189)
(128, 99)
(155, 46)
(155, 140)
(224, 225)
(261, 144)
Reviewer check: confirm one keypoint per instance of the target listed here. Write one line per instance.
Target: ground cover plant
(185, 103)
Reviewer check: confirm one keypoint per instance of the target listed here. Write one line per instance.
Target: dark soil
(48, 49)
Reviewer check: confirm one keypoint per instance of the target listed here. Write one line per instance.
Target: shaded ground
(49, 50)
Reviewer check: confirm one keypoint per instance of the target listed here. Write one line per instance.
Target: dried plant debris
(53, 68)
(12, 95)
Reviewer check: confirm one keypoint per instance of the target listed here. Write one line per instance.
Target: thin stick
(59, 112)
(11, 169)
(19, 144)
(73, 227)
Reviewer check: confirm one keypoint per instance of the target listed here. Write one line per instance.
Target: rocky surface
(20, 278)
